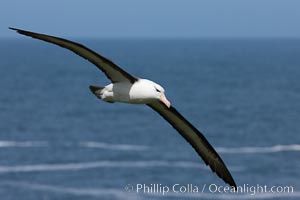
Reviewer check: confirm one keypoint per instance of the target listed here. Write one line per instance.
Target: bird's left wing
(196, 139)
(111, 70)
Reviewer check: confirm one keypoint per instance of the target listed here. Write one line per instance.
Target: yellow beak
(164, 99)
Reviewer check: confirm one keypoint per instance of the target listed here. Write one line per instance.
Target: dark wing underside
(196, 139)
(111, 70)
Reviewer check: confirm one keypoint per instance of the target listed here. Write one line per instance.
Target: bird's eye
(157, 90)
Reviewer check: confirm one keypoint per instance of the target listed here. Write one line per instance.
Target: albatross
(127, 88)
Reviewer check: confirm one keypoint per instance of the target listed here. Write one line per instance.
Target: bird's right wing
(111, 70)
(196, 139)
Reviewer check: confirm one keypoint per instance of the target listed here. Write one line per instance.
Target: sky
(153, 19)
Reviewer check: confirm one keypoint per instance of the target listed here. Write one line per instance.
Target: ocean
(58, 141)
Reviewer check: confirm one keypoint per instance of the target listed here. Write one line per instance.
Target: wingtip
(230, 182)
(14, 29)
(228, 178)
(233, 185)
(20, 31)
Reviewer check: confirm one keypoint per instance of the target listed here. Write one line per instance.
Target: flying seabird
(130, 89)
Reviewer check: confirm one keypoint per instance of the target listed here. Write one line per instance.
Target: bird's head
(160, 94)
(146, 91)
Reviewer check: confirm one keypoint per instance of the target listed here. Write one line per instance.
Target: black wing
(111, 70)
(196, 139)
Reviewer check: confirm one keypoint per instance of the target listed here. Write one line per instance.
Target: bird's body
(142, 91)
(127, 88)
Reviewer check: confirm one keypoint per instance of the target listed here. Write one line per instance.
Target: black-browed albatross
(130, 89)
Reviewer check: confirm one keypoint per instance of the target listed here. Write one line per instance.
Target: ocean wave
(269, 149)
(121, 147)
(5, 144)
(87, 144)
(99, 164)
(131, 147)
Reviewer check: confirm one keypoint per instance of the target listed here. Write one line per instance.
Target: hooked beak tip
(164, 99)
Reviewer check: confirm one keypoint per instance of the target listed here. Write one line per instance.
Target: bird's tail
(96, 90)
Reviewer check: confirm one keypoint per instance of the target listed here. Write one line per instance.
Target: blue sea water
(58, 141)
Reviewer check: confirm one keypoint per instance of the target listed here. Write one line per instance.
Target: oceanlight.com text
(161, 189)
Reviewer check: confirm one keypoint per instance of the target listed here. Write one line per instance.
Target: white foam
(99, 164)
(121, 147)
(88, 144)
(269, 149)
(5, 144)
